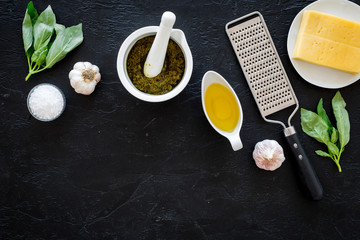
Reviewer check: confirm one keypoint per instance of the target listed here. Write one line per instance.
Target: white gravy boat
(209, 78)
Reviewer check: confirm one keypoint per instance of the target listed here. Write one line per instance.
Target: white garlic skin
(81, 84)
(268, 155)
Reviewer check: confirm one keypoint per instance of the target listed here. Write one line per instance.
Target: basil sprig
(318, 126)
(45, 41)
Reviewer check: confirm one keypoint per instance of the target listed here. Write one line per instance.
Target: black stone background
(114, 167)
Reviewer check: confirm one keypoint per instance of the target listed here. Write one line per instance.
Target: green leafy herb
(45, 41)
(39, 55)
(318, 126)
(322, 153)
(65, 41)
(43, 28)
(342, 119)
(27, 31)
(334, 135)
(32, 12)
(322, 113)
(59, 28)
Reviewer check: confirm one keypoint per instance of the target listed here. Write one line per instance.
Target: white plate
(314, 74)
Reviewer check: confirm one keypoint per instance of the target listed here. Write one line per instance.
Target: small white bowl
(176, 35)
(31, 110)
(209, 78)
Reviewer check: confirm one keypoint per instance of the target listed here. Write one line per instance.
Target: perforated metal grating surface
(261, 64)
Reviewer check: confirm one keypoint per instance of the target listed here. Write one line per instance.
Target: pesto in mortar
(170, 75)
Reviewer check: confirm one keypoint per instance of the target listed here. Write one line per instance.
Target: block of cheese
(329, 41)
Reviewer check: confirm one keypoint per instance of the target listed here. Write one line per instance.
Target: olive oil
(222, 107)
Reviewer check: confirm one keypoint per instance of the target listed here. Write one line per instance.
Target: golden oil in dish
(221, 107)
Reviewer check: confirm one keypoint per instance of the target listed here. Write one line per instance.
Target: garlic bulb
(268, 155)
(84, 77)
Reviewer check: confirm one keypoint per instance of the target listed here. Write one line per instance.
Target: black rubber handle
(306, 171)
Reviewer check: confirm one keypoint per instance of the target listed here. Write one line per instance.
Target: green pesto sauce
(170, 75)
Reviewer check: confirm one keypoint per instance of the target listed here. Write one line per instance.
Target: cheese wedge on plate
(328, 41)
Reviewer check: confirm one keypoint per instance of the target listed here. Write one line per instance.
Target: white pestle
(155, 59)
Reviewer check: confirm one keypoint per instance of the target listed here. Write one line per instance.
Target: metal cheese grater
(269, 84)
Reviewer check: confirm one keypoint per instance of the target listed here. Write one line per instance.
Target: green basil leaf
(322, 113)
(342, 119)
(314, 126)
(30, 51)
(32, 12)
(334, 135)
(27, 32)
(43, 28)
(52, 39)
(333, 149)
(59, 28)
(39, 55)
(322, 153)
(65, 41)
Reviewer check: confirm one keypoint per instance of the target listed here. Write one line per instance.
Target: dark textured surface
(114, 167)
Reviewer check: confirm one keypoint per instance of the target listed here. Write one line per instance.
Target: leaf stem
(28, 60)
(336, 159)
(27, 77)
(338, 165)
(34, 68)
(40, 70)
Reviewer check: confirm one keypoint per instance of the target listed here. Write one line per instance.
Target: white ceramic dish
(209, 78)
(314, 74)
(179, 37)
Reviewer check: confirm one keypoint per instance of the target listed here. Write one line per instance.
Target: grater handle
(307, 173)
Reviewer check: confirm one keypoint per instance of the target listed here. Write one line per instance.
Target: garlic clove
(85, 88)
(76, 84)
(88, 65)
(268, 155)
(75, 79)
(79, 66)
(75, 74)
(95, 68)
(97, 77)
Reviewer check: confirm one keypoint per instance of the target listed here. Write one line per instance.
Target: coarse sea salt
(46, 102)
